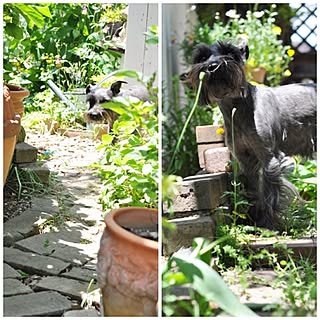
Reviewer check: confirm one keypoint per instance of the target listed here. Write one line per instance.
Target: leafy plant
(204, 283)
(81, 46)
(258, 28)
(129, 170)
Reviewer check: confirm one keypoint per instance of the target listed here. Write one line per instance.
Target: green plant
(204, 286)
(129, 170)
(81, 46)
(178, 106)
(258, 28)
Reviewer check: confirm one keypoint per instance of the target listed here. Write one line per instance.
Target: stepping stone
(36, 305)
(68, 287)
(38, 169)
(82, 313)
(10, 273)
(47, 205)
(33, 263)
(14, 287)
(25, 153)
(64, 245)
(80, 274)
(24, 225)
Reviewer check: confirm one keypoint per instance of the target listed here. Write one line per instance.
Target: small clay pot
(17, 96)
(127, 266)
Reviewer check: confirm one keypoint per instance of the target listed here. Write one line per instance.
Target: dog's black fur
(96, 96)
(269, 124)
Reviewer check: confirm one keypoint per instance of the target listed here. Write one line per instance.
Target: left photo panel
(80, 159)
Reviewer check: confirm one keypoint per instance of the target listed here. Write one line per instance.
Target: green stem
(235, 169)
(201, 76)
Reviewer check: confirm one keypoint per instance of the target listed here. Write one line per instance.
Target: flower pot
(17, 96)
(127, 266)
(11, 129)
(256, 74)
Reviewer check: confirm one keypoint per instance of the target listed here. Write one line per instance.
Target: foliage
(259, 30)
(301, 219)
(179, 107)
(44, 109)
(129, 170)
(80, 48)
(204, 283)
(152, 35)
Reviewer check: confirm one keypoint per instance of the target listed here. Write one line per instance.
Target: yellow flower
(276, 30)
(287, 73)
(277, 69)
(291, 52)
(251, 62)
(220, 131)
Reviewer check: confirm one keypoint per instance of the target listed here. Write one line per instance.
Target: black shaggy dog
(269, 124)
(96, 96)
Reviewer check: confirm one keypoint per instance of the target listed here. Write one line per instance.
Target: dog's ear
(115, 87)
(244, 49)
(185, 79)
(89, 88)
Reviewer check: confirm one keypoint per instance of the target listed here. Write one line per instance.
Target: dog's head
(95, 97)
(222, 64)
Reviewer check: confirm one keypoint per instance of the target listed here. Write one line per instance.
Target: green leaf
(211, 286)
(107, 139)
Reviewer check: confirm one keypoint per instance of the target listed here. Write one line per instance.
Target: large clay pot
(11, 128)
(128, 264)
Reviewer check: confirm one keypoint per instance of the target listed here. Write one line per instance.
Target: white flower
(258, 14)
(232, 14)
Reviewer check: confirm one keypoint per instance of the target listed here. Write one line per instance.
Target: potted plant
(127, 266)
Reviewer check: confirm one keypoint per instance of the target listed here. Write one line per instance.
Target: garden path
(51, 248)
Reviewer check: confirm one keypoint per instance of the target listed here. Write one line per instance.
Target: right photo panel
(239, 161)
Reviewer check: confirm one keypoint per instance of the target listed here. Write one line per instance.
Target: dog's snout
(95, 115)
(212, 67)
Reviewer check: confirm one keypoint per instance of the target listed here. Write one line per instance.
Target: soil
(12, 206)
(151, 234)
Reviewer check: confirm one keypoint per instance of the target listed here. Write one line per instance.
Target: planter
(11, 128)
(17, 96)
(256, 74)
(127, 266)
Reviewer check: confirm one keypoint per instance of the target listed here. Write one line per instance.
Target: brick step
(36, 170)
(25, 153)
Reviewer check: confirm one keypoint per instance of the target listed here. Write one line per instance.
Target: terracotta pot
(11, 129)
(256, 74)
(127, 266)
(17, 95)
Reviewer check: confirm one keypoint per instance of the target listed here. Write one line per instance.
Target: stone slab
(74, 289)
(200, 192)
(26, 224)
(39, 169)
(82, 313)
(80, 274)
(25, 153)
(187, 229)
(13, 287)
(64, 244)
(36, 305)
(33, 263)
(216, 160)
(10, 273)
(45, 204)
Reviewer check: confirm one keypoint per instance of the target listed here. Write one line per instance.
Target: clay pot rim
(14, 88)
(113, 226)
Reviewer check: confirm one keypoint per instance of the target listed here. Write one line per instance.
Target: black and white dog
(269, 124)
(96, 96)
